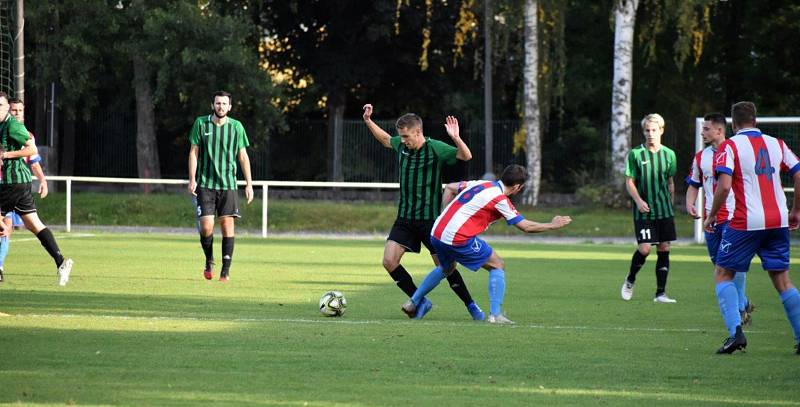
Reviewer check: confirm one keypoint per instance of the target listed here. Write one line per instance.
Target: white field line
(60, 236)
(345, 321)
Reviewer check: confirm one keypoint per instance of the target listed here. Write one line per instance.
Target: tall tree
(533, 139)
(621, 96)
(155, 56)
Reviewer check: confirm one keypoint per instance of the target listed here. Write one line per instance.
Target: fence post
(264, 204)
(69, 205)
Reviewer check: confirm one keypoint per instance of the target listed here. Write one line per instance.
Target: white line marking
(60, 236)
(344, 320)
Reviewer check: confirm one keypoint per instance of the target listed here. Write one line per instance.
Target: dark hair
(514, 175)
(3, 95)
(408, 121)
(222, 93)
(716, 118)
(743, 114)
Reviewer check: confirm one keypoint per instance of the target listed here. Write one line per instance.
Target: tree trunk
(533, 138)
(624, 24)
(146, 146)
(336, 106)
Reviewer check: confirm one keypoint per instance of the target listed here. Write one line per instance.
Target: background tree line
(288, 61)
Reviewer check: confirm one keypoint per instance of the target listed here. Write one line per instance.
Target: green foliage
(137, 325)
(602, 195)
(192, 52)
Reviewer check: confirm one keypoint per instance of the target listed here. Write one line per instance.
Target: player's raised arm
(529, 226)
(377, 132)
(451, 125)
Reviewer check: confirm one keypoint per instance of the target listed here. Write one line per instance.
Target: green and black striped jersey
(219, 149)
(421, 178)
(650, 172)
(13, 136)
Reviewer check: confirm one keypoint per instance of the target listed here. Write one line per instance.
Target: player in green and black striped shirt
(217, 142)
(420, 165)
(15, 187)
(649, 181)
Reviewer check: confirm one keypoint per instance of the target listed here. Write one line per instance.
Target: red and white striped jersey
(701, 175)
(477, 206)
(755, 161)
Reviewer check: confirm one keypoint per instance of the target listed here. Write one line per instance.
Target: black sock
(459, 287)
(662, 270)
(637, 261)
(404, 280)
(207, 242)
(227, 254)
(45, 237)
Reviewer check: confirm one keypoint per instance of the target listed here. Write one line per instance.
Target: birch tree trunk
(624, 24)
(533, 139)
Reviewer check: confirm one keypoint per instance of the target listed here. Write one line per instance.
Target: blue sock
(791, 303)
(428, 284)
(728, 300)
(497, 291)
(4, 243)
(740, 281)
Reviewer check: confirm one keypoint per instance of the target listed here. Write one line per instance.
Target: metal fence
(106, 147)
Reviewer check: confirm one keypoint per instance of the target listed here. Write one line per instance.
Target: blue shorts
(472, 255)
(737, 248)
(16, 220)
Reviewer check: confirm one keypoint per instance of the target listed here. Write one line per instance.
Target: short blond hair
(655, 118)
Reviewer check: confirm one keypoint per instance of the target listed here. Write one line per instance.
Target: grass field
(137, 325)
(175, 210)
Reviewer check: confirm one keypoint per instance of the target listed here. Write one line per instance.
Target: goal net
(786, 128)
(7, 24)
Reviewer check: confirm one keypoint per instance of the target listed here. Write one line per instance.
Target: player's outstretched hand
(367, 111)
(559, 222)
(451, 125)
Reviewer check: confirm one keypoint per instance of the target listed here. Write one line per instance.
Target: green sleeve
(446, 152)
(395, 142)
(241, 139)
(194, 134)
(673, 166)
(19, 133)
(631, 167)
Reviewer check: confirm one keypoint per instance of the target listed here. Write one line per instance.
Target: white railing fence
(263, 184)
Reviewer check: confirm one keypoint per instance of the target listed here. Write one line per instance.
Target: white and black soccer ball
(332, 304)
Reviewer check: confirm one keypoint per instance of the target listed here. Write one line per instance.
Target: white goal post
(787, 128)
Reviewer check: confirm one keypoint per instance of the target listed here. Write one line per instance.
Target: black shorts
(654, 231)
(215, 202)
(410, 233)
(17, 198)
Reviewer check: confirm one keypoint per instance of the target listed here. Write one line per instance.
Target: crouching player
(477, 204)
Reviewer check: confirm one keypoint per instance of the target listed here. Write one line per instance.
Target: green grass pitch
(138, 325)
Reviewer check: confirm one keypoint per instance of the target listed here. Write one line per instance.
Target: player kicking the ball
(477, 204)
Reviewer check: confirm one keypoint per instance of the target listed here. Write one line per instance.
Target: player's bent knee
(390, 264)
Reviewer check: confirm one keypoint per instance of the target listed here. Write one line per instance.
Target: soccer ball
(332, 304)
